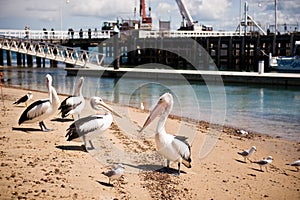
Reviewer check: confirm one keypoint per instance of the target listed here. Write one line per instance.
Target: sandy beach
(43, 165)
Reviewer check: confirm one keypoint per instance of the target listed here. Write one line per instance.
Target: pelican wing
(69, 104)
(184, 150)
(36, 109)
(83, 126)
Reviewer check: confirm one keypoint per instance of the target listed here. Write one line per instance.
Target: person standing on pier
(90, 33)
(81, 34)
(26, 32)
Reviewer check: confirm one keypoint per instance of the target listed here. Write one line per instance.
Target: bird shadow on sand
(169, 170)
(240, 161)
(105, 184)
(156, 168)
(72, 148)
(293, 170)
(27, 130)
(19, 106)
(255, 169)
(62, 120)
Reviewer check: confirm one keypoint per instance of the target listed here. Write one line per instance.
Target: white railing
(184, 34)
(53, 52)
(40, 34)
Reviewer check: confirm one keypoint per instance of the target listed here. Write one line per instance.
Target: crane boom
(146, 20)
(142, 8)
(185, 13)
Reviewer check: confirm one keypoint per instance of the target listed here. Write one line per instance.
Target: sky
(76, 14)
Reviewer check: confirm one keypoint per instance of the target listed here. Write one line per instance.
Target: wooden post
(44, 62)
(23, 59)
(219, 53)
(1, 57)
(242, 54)
(116, 57)
(19, 59)
(229, 54)
(53, 63)
(8, 57)
(29, 60)
(38, 62)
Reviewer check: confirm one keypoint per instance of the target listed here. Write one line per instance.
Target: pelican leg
(43, 127)
(178, 173)
(168, 164)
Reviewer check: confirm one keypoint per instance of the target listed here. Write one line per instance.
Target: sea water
(266, 109)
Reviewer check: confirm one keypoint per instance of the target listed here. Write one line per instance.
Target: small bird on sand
(296, 164)
(242, 132)
(247, 153)
(24, 99)
(114, 173)
(264, 162)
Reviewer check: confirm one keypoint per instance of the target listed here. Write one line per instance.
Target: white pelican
(42, 109)
(168, 145)
(97, 122)
(73, 104)
(296, 164)
(264, 162)
(247, 153)
(24, 99)
(114, 173)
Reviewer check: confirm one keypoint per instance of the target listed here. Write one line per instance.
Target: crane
(186, 16)
(187, 21)
(146, 20)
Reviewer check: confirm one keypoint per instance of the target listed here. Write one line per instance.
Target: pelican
(73, 104)
(168, 145)
(42, 109)
(97, 122)
(247, 153)
(24, 99)
(264, 162)
(296, 164)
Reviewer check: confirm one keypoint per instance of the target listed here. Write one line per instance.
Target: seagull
(142, 107)
(247, 153)
(169, 146)
(242, 132)
(42, 109)
(73, 104)
(264, 162)
(97, 122)
(114, 173)
(24, 99)
(296, 164)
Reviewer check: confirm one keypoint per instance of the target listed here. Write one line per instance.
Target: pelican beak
(49, 85)
(107, 107)
(157, 110)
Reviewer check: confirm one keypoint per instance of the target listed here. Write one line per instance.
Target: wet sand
(43, 165)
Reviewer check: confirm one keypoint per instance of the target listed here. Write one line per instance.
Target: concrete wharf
(285, 79)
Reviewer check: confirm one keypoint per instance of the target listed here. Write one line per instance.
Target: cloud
(96, 8)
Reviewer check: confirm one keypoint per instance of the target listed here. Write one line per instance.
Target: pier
(229, 51)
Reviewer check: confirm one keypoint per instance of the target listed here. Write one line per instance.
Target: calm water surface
(272, 110)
